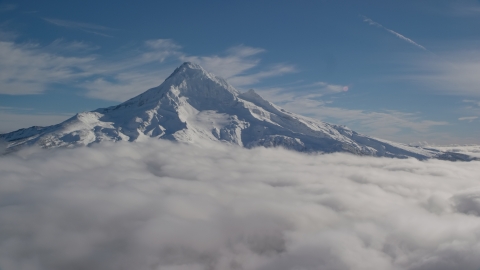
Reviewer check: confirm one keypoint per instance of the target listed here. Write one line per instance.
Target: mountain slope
(194, 106)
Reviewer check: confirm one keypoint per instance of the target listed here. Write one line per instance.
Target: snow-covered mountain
(195, 106)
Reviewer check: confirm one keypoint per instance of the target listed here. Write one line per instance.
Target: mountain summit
(194, 106)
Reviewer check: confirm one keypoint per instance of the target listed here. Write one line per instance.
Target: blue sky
(406, 71)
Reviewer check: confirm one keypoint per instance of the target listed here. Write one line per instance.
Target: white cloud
(468, 118)
(253, 78)
(331, 88)
(161, 49)
(62, 45)
(27, 69)
(475, 103)
(32, 69)
(452, 73)
(319, 89)
(235, 61)
(162, 44)
(124, 85)
(136, 206)
(400, 36)
(236, 66)
(126, 80)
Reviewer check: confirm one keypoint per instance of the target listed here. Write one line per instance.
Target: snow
(194, 106)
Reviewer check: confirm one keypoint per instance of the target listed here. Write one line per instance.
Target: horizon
(355, 64)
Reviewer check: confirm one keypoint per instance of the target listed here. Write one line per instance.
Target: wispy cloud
(253, 78)
(324, 88)
(473, 102)
(231, 63)
(388, 124)
(235, 65)
(28, 69)
(462, 8)
(400, 36)
(160, 49)
(125, 84)
(5, 7)
(32, 68)
(468, 118)
(86, 27)
(453, 73)
(162, 44)
(62, 45)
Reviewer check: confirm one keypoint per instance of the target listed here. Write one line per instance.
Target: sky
(135, 206)
(405, 71)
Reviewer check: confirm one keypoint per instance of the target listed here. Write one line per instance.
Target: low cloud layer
(160, 205)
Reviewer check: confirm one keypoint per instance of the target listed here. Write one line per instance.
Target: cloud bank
(160, 205)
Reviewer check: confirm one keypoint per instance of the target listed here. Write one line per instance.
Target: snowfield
(157, 204)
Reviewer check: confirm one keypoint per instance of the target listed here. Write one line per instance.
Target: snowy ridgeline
(195, 106)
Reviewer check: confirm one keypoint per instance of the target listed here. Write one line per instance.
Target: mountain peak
(188, 69)
(190, 65)
(195, 106)
(198, 79)
(188, 81)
